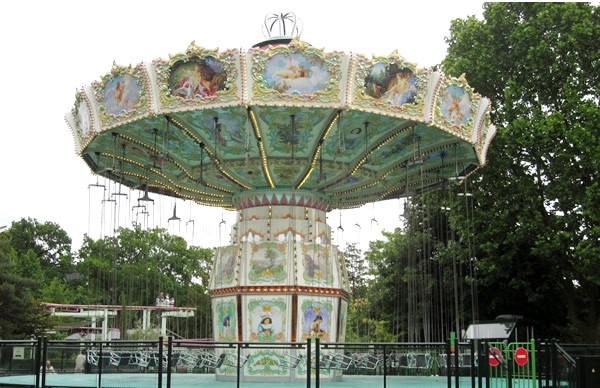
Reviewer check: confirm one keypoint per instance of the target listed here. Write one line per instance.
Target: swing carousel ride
(282, 133)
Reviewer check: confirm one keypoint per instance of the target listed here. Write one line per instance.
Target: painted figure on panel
(401, 88)
(226, 320)
(227, 326)
(456, 105)
(315, 327)
(316, 321)
(84, 118)
(391, 83)
(225, 266)
(265, 329)
(317, 264)
(296, 73)
(267, 320)
(315, 267)
(197, 78)
(122, 93)
(228, 131)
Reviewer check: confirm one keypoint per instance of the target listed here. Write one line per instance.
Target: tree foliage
(357, 269)
(363, 325)
(128, 269)
(421, 275)
(536, 203)
(21, 317)
(135, 265)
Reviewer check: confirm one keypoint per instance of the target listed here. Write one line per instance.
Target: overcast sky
(52, 48)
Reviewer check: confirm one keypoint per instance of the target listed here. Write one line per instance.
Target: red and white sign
(521, 356)
(494, 356)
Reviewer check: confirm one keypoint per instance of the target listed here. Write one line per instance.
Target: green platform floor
(188, 380)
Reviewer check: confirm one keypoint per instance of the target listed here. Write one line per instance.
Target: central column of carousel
(280, 280)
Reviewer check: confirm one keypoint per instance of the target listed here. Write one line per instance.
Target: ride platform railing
(469, 364)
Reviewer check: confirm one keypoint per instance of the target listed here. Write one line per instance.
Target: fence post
(384, 368)
(239, 356)
(36, 365)
(483, 368)
(472, 358)
(448, 363)
(554, 364)
(169, 360)
(308, 363)
(159, 361)
(548, 352)
(456, 361)
(100, 366)
(509, 364)
(317, 363)
(533, 361)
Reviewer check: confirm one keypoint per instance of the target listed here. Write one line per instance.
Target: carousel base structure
(280, 281)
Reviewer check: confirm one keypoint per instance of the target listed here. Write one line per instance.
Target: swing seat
(211, 360)
(335, 361)
(92, 357)
(188, 359)
(291, 361)
(232, 360)
(115, 359)
(366, 361)
(140, 359)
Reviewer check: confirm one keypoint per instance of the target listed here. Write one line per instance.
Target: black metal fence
(469, 364)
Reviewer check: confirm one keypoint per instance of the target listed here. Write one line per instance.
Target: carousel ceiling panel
(208, 125)
(225, 131)
(290, 138)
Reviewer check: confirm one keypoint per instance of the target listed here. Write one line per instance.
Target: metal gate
(511, 365)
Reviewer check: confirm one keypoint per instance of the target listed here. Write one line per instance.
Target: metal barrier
(473, 364)
(310, 360)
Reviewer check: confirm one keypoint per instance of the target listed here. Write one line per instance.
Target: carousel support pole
(163, 325)
(144, 319)
(93, 327)
(105, 326)
(308, 363)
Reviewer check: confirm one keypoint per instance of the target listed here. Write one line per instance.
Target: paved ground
(189, 380)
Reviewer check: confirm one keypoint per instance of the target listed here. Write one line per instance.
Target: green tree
(20, 315)
(356, 269)
(387, 300)
(43, 253)
(135, 265)
(536, 213)
(358, 277)
(418, 285)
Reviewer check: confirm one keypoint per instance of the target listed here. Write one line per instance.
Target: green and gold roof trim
(208, 124)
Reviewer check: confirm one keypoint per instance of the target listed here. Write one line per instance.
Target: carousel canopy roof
(210, 125)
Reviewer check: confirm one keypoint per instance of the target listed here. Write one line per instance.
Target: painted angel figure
(456, 105)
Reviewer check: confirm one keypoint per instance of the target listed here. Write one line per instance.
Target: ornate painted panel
(225, 318)
(267, 318)
(225, 266)
(268, 262)
(315, 320)
(122, 95)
